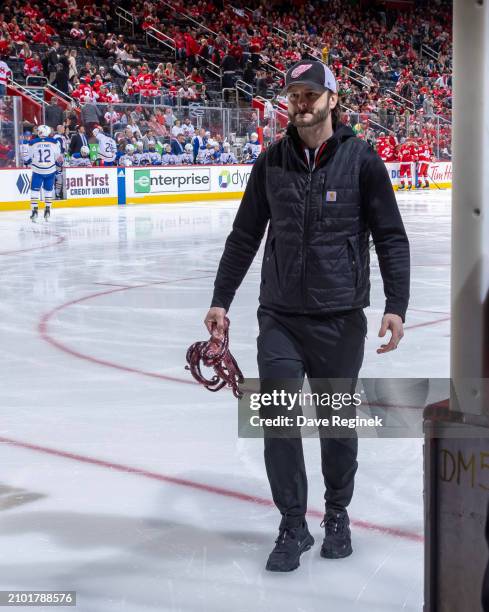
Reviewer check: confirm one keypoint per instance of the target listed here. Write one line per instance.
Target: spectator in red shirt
(97, 83)
(194, 76)
(5, 46)
(191, 48)
(47, 28)
(42, 37)
(33, 66)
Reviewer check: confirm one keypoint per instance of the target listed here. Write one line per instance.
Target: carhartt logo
(331, 196)
(300, 70)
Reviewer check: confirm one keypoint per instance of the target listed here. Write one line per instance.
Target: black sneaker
(337, 539)
(289, 546)
(34, 215)
(47, 213)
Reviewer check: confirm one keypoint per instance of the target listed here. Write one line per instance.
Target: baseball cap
(313, 73)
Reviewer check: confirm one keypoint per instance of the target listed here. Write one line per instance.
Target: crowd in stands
(387, 79)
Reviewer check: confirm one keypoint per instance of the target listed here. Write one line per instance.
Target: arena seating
(393, 67)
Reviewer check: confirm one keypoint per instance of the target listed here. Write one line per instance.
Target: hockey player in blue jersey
(81, 159)
(216, 153)
(44, 157)
(252, 149)
(128, 158)
(199, 144)
(210, 155)
(226, 156)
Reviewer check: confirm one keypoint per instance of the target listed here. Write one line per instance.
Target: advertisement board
(16, 185)
(439, 173)
(105, 186)
(181, 180)
(90, 183)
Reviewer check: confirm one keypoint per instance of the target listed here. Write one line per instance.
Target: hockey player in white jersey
(252, 149)
(81, 159)
(209, 155)
(168, 159)
(44, 157)
(153, 156)
(139, 157)
(25, 144)
(187, 158)
(107, 147)
(60, 137)
(227, 157)
(128, 158)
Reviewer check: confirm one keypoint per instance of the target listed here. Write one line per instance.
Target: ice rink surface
(125, 481)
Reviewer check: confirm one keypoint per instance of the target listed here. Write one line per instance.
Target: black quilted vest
(316, 256)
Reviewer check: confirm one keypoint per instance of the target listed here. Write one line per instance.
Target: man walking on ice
(322, 192)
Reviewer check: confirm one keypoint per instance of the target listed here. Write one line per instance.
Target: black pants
(326, 346)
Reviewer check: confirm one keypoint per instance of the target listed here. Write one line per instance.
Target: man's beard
(318, 116)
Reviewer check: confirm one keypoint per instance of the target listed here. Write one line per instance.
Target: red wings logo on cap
(300, 70)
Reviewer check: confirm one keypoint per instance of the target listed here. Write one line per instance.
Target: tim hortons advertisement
(439, 172)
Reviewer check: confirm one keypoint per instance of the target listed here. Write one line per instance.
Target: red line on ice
(43, 329)
(428, 311)
(416, 325)
(245, 497)
(44, 332)
(59, 240)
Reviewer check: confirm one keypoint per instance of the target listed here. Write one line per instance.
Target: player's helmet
(43, 131)
(129, 148)
(151, 144)
(254, 136)
(85, 151)
(188, 148)
(216, 145)
(226, 146)
(139, 145)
